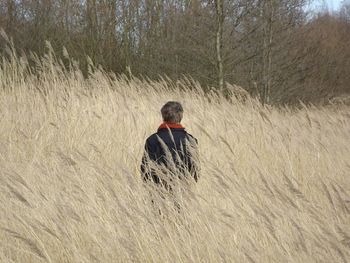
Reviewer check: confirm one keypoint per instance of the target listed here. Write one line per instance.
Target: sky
(332, 5)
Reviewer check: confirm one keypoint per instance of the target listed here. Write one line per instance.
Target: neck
(170, 125)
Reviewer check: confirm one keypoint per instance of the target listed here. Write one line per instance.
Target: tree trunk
(91, 18)
(267, 57)
(219, 6)
(11, 17)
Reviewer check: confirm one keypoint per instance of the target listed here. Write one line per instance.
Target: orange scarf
(168, 125)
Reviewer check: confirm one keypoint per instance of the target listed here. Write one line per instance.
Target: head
(172, 112)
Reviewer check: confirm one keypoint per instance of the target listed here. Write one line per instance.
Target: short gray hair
(172, 111)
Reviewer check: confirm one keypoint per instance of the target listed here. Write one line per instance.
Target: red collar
(168, 125)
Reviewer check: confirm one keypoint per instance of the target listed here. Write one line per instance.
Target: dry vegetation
(274, 185)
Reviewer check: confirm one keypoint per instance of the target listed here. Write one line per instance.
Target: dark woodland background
(275, 50)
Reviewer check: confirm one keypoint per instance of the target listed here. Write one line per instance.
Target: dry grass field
(274, 186)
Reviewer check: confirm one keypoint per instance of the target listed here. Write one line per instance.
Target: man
(171, 152)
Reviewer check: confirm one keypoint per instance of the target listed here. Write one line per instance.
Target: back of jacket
(173, 149)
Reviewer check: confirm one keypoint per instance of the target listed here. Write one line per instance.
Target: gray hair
(172, 112)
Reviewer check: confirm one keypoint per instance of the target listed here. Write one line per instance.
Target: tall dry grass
(274, 184)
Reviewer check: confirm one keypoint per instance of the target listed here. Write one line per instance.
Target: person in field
(170, 153)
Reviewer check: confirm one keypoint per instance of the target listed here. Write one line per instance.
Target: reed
(274, 183)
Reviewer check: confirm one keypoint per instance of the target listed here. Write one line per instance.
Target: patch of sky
(330, 5)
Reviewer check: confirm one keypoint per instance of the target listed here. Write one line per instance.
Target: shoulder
(191, 138)
(152, 143)
(152, 138)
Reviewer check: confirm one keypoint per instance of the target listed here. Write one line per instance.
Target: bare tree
(269, 13)
(219, 7)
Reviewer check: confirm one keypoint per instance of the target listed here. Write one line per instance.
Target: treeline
(272, 48)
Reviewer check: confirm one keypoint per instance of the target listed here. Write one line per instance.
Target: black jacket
(173, 150)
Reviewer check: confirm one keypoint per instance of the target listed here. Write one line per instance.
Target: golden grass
(274, 186)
